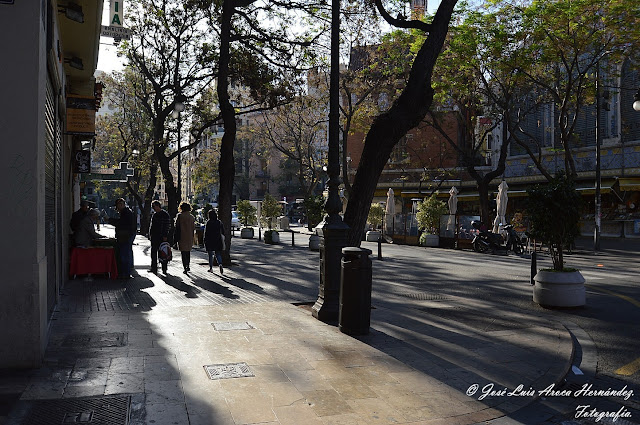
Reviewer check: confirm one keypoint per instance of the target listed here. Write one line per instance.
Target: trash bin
(354, 316)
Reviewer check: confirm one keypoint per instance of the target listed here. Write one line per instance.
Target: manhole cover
(230, 370)
(232, 326)
(424, 296)
(96, 340)
(96, 411)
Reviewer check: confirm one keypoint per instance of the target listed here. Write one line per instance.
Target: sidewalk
(144, 346)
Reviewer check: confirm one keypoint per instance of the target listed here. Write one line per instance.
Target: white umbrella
(390, 211)
(501, 206)
(453, 207)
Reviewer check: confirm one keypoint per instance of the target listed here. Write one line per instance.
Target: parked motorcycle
(488, 241)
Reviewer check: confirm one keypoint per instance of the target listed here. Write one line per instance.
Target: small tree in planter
(554, 212)
(313, 206)
(270, 210)
(428, 217)
(375, 217)
(247, 215)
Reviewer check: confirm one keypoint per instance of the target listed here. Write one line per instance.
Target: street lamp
(179, 107)
(636, 101)
(334, 230)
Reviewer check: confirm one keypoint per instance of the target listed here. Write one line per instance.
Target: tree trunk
(388, 128)
(227, 164)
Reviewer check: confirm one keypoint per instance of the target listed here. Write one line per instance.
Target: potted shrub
(554, 211)
(271, 209)
(428, 217)
(247, 215)
(375, 217)
(314, 208)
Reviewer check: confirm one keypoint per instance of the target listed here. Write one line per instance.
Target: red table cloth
(93, 261)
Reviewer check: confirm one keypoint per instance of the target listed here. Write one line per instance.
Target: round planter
(373, 236)
(559, 289)
(314, 243)
(246, 233)
(431, 240)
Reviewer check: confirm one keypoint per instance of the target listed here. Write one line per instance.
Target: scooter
(488, 241)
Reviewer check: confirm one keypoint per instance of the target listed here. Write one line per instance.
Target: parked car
(235, 220)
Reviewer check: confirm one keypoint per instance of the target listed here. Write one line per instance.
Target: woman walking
(213, 242)
(185, 227)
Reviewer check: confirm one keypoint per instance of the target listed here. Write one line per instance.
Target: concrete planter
(559, 289)
(373, 236)
(431, 240)
(314, 243)
(246, 233)
(271, 237)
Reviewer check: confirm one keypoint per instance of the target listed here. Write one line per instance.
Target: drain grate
(112, 410)
(232, 326)
(229, 370)
(96, 340)
(422, 296)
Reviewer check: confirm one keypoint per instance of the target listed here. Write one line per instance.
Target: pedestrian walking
(85, 232)
(214, 240)
(126, 229)
(184, 229)
(158, 233)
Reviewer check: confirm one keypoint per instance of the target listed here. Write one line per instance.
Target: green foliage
(554, 211)
(376, 215)
(314, 206)
(429, 212)
(246, 212)
(270, 209)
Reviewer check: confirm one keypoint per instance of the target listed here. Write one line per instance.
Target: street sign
(116, 32)
(115, 12)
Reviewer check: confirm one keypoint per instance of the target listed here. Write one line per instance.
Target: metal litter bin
(354, 315)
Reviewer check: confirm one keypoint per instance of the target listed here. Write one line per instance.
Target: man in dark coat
(126, 229)
(158, 233)
(78, 216)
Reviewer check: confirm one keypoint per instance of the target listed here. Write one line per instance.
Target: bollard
(533, 267)
(259, 233)
(293, 238)
(380, 248)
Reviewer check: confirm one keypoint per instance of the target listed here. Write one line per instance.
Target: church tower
(418, 9)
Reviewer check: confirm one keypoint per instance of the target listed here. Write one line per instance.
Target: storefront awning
(629, 184)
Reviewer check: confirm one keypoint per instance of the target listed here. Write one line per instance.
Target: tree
(246, 212)
(260, 57)
(270, 209)
(376, 215)
(172, 49)
(554, 212)
(429, 212)
(405, 113)
(125, 135)
(297, 131)
(563, 45)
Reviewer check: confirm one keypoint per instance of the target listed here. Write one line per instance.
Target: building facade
(49, 58)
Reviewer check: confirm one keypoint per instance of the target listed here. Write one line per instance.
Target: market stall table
(94, 260)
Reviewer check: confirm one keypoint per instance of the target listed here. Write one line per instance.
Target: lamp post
(334, 230)
(179, 107)
(598, 213)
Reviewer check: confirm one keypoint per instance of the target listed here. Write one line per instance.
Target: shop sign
(82, 163)
(115, 15)
(115, 31)
(81, 115)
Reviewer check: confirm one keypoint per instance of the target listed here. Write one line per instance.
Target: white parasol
(453, 208)
(390, 211)
(501, 206)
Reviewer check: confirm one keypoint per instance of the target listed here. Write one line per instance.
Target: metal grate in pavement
(229, 370)
(423, 296)
(100, 340)
(111, 410)
(232, 326)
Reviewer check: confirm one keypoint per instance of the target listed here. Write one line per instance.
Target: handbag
(164, 252)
